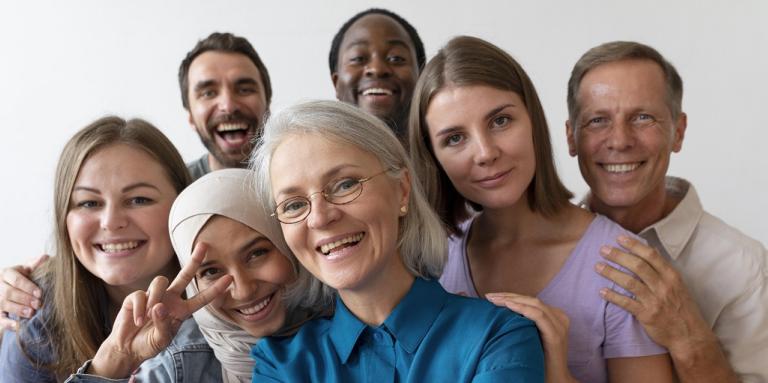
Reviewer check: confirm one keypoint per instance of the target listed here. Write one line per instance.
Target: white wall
(65, 63)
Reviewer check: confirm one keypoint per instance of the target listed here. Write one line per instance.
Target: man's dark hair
(418, 46)
(222, 42)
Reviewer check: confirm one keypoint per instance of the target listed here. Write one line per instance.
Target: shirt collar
(409, 322)
(675, 230)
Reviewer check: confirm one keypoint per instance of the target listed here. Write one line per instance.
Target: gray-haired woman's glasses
(338, 192)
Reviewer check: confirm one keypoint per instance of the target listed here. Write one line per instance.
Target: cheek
(79, 228)
(279, 270)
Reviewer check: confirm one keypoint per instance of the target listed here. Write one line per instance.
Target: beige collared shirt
(725, 271)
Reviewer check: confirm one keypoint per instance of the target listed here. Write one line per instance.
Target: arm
(653, 368)
(148, 321)
(553, 327)
(666, 311)
(18, 294)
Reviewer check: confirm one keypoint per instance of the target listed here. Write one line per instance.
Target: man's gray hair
(619, 51)
(422, 241)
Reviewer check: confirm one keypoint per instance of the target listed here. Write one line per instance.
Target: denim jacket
(187, 359)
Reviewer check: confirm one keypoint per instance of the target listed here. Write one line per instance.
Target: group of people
(414, 230)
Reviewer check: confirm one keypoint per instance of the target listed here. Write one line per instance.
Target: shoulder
(474, 315)
(312, 335)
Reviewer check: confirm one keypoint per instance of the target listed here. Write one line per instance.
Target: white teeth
(257, 307)
(328, 247)
(115, 247)
(225, 127)
(621, 168)
(377, 91)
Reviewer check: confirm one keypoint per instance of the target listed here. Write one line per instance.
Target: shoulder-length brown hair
(75, 326)
(467, 61)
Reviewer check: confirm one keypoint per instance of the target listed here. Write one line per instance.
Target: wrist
(110, 362)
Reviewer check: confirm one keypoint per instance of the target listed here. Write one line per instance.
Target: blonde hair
(421, 239)
(76, 324)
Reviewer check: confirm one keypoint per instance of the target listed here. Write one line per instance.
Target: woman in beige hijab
(219, 210)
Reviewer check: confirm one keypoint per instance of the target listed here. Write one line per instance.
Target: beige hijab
(227, 193)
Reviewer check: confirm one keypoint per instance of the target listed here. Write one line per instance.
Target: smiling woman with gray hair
(344, 191)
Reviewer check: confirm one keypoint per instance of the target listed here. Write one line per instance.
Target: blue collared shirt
(430, 336)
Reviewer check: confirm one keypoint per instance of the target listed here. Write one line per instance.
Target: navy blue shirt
(430, 336)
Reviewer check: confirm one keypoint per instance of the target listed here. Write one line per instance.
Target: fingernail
(37, 293)
(27, 312)
(623, 239)
(36, 304)
(603, 292)
(600, 267)
(605, 250)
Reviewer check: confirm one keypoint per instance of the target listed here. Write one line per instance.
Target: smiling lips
(377, 92)
(118, 248)
(256, 307)
(233, 133)
(340, 244)
(621, 168)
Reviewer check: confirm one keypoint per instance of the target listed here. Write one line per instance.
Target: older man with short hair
(700, 289)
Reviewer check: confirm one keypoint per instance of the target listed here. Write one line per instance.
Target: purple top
(599, 330)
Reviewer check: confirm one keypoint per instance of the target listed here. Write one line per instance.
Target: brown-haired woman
(479, 139)
(114, 186)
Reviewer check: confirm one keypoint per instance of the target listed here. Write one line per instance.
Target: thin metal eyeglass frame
(327, 198)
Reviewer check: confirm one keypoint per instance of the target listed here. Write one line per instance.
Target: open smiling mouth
(119, 247)
(377, 92)
(336, 246)
(622, 168)
(233, 132)
(256, 308)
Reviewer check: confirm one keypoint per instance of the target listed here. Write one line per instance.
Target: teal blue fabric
(431, 336)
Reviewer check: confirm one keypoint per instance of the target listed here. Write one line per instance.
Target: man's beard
(225, 159)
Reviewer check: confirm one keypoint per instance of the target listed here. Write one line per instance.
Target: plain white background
(66, 63)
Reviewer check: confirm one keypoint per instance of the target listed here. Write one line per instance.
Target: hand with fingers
(18, 294)
(664, 307)
(148, 320)
(661, 301)
(553, 327)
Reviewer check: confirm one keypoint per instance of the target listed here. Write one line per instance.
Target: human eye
(396, 59)
(206, 94)
(293, 206)
(247, 90)
(453, 139)
(257, 253)
(343, 186)
(87, 204)
(597, 122)
(209, 273)
(500, 121)
(140, 201)
(643, 119)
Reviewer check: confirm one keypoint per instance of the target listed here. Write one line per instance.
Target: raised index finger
(187, 272)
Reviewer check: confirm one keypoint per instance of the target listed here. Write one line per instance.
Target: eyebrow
(203, 84)
(124, 190)
(491, 113)
(249, 244)
(332, 172)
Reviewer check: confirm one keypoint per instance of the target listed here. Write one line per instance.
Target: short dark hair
(468, 61)
(223, 42)
(418, 46)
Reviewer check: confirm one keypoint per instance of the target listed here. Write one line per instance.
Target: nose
(113, 218)
(377, 66)
(227, 102)
(322, 213)
(243, 288)
(486, 150)
(620, 136)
